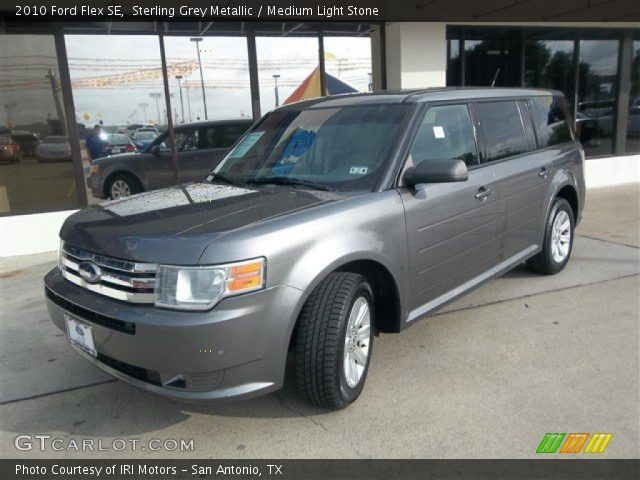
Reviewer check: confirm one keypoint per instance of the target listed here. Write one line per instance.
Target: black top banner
(325, 11)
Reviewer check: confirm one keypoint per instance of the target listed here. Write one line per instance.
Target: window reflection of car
(144, 138)
(587, 128)
(28, 141)
(118, 143)
(10, 151)
(200, 147)
(54, 148)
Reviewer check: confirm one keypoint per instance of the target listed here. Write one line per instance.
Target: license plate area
(80, 334)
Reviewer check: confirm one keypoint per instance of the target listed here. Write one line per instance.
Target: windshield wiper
(224, 179)
(290, 181)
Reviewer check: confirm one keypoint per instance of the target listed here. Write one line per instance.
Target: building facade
(59, 80)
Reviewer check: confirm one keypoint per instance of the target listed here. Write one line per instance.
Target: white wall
(29, 234)
(612, 171)
(416, 55)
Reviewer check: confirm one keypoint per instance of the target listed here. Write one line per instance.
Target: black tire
(132, 183)
(544, 262)
(319, 363)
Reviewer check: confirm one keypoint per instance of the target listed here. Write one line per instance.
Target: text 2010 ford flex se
(330, 221)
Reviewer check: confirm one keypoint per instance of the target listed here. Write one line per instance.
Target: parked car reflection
(118, 143)
(10, 151)
(54, 148)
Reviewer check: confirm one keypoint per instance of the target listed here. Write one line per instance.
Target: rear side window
(502, 128)
(446, 133)
(549, 115)
(221, 136)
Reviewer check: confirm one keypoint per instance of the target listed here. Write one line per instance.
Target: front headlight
(201, 288)
(95, 168)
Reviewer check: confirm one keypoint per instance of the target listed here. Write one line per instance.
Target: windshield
(341, 148)
(118, 139)
(148, 135)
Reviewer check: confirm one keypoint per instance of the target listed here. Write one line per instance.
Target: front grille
(90, 315)
(120, 279)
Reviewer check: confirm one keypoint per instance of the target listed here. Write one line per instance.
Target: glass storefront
(36, 170)
(598, 69)
(117, 89)
(581, 63)
(224, 83)
(633, 122)
(347, 64)
(288, 70)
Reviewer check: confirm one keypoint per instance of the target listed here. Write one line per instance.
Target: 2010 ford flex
(329, 222)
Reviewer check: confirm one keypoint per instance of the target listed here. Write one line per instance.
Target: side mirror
(437, 171)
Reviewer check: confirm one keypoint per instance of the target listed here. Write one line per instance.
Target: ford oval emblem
(89, 272)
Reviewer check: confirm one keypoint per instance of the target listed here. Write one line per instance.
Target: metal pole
(321, 63)
(186, 87)
(56, 99)
(197, 41)
(156, 95)
(70, 111)
(625, 61)
(179, 77)
(275, 88)
(167, 99)
(144, 106)
(253, 74)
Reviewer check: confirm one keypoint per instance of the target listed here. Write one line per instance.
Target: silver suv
(330, 221)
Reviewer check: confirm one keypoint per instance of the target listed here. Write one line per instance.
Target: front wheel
(122, 185)
(334, 340)
(558, 240)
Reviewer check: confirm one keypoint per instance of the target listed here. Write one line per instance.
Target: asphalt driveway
(487, 377)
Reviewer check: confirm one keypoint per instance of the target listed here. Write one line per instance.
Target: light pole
(144, 111)
(197, 41)
(9, 107)
(275, 80)
(179, 77)
(157, 96)
(186, 87)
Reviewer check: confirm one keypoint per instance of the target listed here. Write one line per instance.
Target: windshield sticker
(438, 131)
(299, 143)
(245, 145)
(358, 170)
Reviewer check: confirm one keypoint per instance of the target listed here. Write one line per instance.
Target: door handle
(543, 172)
(483, 193)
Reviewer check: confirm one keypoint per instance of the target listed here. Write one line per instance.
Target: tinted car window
(549, 114)
(220, 136)
(502, 127)
(446, 132)
(186, 140)
(525, 114)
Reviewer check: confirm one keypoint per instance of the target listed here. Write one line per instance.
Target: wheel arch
(388, 301)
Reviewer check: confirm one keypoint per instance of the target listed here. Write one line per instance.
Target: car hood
(176, 224)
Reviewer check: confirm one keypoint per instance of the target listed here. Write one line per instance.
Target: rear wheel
(122, 185)
(558, 240)
(334, 340)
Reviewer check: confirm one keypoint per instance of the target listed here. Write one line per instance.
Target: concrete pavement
(487, 377)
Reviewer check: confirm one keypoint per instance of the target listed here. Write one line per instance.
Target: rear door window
(525, 113)
(550, 117)
(446, 133)
(502, 129)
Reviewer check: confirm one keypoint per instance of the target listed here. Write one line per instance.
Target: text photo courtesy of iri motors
(294, 240)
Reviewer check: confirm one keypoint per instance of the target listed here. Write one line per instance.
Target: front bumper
(236, 350)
